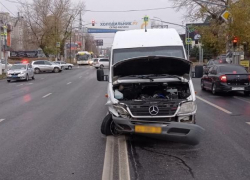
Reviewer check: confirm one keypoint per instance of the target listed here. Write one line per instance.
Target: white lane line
(30, 83)
(47, 95)
(248, 123)
(242, 99)
(20, 85)
(107, 172)
(1, 120)
(214, 105)
(68, 83)
(124, 173)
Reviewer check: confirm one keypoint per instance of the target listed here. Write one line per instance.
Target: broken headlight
(187, 108)
(121, 111)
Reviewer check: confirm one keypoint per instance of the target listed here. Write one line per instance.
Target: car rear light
(223, 78)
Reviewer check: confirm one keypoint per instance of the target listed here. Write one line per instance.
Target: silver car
(45, 66)
(64, 65)
(101, 63)
(20, 72)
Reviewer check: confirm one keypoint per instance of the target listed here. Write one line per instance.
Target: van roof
(151, 38)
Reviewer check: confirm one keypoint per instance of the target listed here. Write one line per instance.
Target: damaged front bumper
(175, 131)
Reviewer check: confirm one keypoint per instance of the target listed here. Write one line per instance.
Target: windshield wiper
(166, 75)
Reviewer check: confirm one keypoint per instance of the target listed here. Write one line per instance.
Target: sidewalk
(3, 76)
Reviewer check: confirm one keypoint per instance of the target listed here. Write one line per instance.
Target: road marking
(47, 95)
(124, 173)
(214, 105)
(19, 85)
(242, 99)
(107, 172)
(68, 83)
(1, 120)
(30, 83)
(248, 123)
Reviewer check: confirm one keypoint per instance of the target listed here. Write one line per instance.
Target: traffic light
(93, 22)
(235, 41)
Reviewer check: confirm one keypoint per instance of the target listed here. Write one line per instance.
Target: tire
(214, 89)
(96, 67)
(37, 70)
(70, 67)
(107, 127)
(8, 81)
(101, 66)
(27, 77)
(202, 86)
(56, 70)
(246, 93)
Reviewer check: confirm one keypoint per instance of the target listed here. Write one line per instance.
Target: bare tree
(50, 21)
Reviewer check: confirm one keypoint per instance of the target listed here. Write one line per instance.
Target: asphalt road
(50, 127)
(223, 153)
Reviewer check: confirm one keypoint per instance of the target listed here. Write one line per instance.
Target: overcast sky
(169, 15)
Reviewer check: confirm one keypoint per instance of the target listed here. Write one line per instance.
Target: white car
(101, 63)
(64, 65)
(20, 72)
(45, 66)
(2, 62)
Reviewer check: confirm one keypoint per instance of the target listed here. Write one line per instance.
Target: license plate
(238, 88)
(14, 76)
(148, 129)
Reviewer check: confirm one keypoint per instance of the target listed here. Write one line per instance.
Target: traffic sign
(188, 40)
(145, 18)
(226, 15)
(244, 63)
(99, 42)
(58, 44)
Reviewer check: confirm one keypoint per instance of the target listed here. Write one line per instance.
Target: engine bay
(152, 91)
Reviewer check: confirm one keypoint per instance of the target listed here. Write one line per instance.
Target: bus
(82, 57)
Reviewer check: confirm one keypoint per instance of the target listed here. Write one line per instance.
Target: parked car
(64, 65)
(213, 62)
(101, 63)
(226, 78)
(45, 66)
(2, 62)
(150, 90)
(20, 72)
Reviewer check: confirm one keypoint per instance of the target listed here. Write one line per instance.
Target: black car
(226, 78)
(213, 62)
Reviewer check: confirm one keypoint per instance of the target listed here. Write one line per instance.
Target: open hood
(152, 65)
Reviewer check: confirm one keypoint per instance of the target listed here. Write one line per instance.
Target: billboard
(24, 54)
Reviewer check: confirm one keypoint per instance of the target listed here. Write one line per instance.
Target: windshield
(82, 57)
(171, 51)
(18, 67)
(233, 69)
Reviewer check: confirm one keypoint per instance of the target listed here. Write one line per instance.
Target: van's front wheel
(108, 126)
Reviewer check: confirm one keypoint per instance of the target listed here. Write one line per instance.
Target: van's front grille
(166, 109)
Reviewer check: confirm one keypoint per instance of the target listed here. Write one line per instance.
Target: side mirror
(198, 71)
(101, 76)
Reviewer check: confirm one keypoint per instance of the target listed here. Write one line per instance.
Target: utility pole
(1, 41)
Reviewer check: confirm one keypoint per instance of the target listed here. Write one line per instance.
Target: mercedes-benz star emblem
(153, 110)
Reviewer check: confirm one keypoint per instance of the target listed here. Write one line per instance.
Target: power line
(7, 9)
(116, 11)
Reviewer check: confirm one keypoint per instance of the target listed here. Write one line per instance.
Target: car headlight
(121, 111)
(187, 107)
